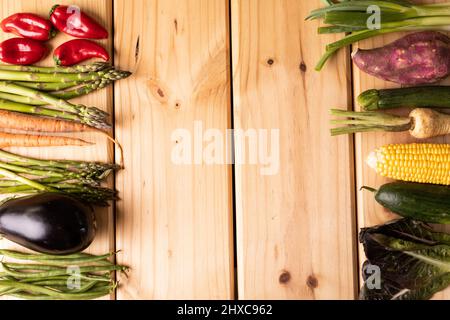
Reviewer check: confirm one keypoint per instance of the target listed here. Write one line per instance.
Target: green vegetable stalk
(93, 67)
(47, 277)
(45, 112)
(399, 15)
(77, 178)
(72, 92)
(94, 117)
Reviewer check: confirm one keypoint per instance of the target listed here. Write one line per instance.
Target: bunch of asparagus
(27, 89)
(74, 277)
(78, 179)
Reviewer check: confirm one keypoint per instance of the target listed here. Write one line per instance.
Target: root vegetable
(419, 58)
(23, 140)
(421, 123)
(25, 122)
(427, 123)
(396, 16)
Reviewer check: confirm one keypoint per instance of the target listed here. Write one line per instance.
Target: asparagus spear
(94, 116)
(61, 164)
(83, 89)
(93, 67)
(48, 86)
(95, 195)
(37, 110)
(107, 74)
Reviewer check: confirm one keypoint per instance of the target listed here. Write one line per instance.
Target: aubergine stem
(369, 121)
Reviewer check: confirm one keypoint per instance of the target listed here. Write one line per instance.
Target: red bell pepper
(22, 51)
(75, 23)
(29, 25)
(79, 50)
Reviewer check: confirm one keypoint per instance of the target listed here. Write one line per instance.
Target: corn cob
(422, 163)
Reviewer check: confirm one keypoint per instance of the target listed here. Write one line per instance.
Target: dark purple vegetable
(48, 223)
(416, 59)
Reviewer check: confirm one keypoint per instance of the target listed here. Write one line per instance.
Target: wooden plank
(102, 150)
(369, 212)
(174, 222)
(295, 229)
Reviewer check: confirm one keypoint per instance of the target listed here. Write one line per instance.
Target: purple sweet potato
(416, 59)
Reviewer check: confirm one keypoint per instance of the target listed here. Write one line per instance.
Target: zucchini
(416, 97)
(423, 202)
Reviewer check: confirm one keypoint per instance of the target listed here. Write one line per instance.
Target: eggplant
(48, 223)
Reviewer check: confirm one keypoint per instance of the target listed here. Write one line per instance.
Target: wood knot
(312, 282)
(270, 62)
(177, 105)
(160, 92)
(285, 277)
(303, 67)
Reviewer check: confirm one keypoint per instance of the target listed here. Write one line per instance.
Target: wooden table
(190, 224)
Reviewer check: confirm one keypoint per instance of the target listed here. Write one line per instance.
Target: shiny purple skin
(48, 223)
(416, 59)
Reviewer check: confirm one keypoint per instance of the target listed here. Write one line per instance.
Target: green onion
(398, 15)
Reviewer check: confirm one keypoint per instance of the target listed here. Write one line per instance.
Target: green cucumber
(415, 97)
(423, 202)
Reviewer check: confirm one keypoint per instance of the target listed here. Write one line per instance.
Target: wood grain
(370, 213)
(102, 150)
(174, 222)
(295, 229)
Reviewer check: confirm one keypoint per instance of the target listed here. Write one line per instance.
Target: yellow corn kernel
(422, 163)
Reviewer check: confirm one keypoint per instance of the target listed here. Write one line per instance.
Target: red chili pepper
(72, 21)
(29, 25)
(22, 51)
(79, 50)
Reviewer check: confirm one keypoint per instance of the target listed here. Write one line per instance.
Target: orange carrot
(21, 121)
(31, 123)
(24, 140)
